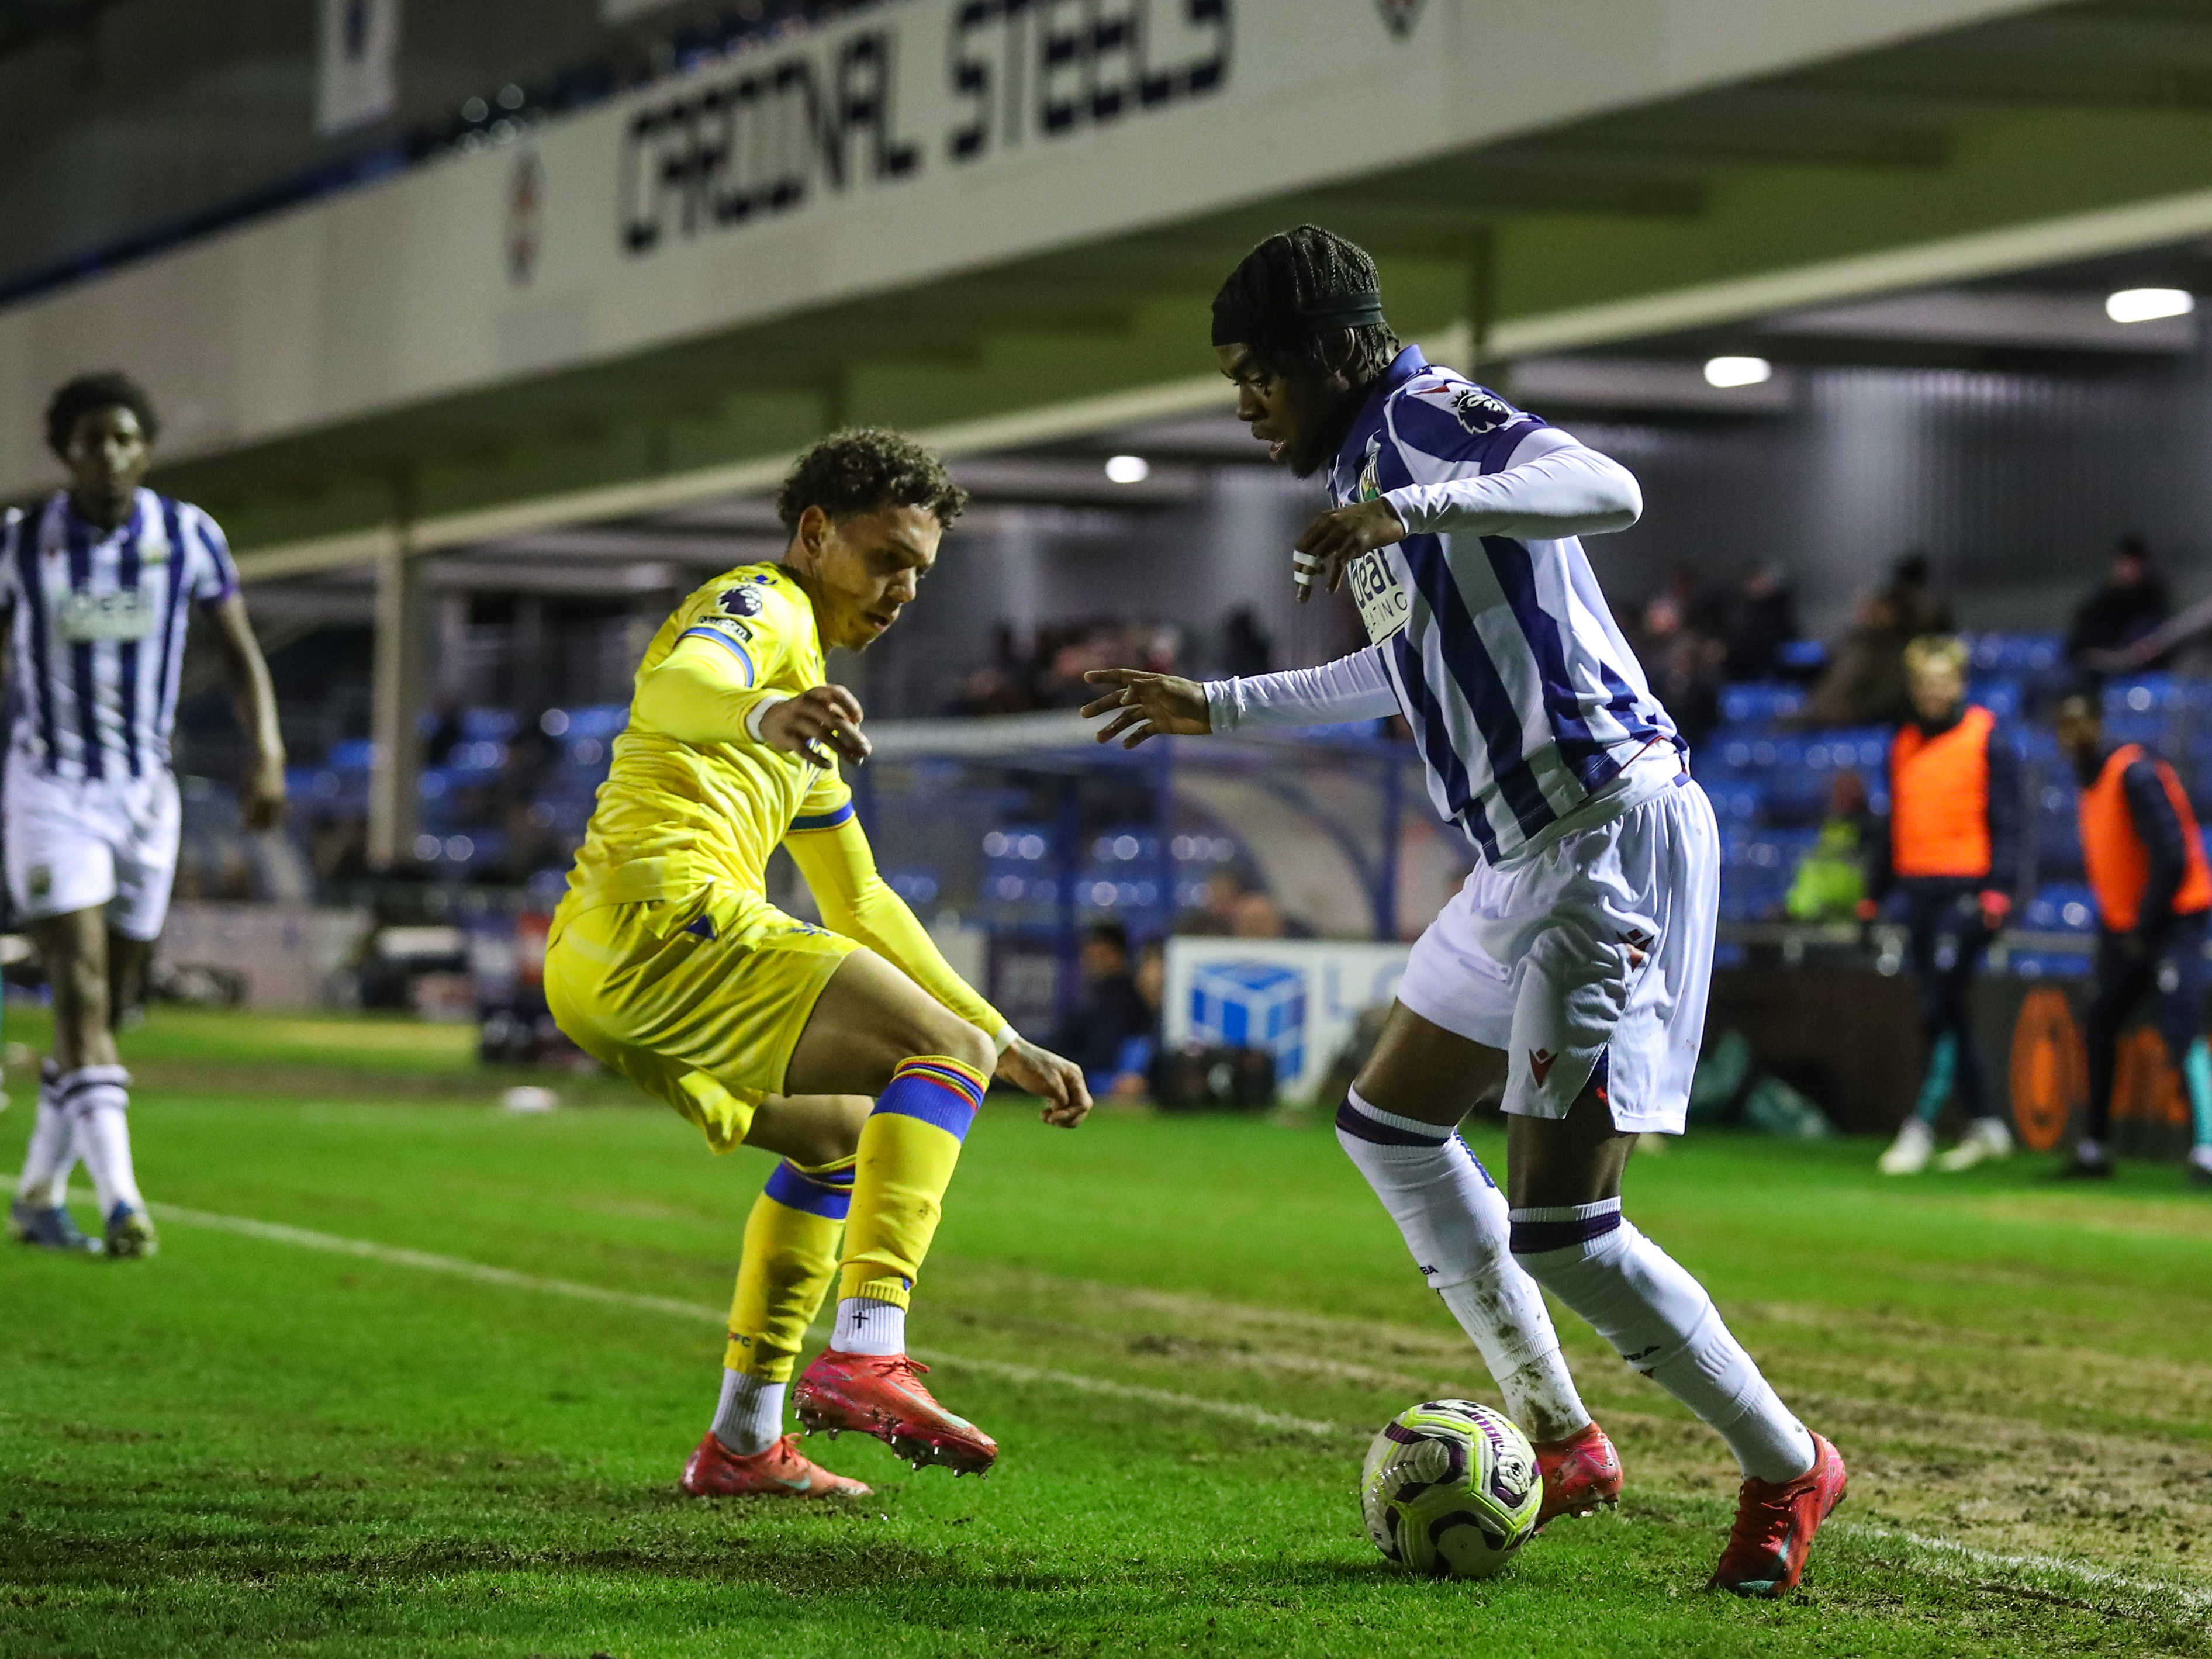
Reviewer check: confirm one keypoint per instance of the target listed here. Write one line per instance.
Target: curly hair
(1296, 268)
(109, 389)
(864, 470)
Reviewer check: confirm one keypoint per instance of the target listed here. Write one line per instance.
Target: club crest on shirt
(1482, 412)
(1370, 471)
(741, 602)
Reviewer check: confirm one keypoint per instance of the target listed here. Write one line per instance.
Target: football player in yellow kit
(852, 1052)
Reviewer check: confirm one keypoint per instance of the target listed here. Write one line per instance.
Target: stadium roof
(1555, 180)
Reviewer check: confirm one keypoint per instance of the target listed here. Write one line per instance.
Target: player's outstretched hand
(822, 714)
(1338, 536)
(261, 794)
(1148, 706)
(1043, 1072)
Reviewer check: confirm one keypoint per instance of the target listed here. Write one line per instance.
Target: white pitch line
(481, 1273)
(1075, 1381)
(484, 1273)
(2048, 1566)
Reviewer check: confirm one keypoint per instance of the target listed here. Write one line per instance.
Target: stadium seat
(1762, 703)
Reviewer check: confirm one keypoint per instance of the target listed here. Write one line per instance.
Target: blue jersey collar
(1403, 367)
(131, 529)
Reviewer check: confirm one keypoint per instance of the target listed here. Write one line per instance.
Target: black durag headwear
(1239, 324)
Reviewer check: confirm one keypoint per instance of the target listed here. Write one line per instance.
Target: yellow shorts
(699, 1003)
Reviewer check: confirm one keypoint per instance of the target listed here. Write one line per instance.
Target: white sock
(98, 1100)
(1455, 1221)
(51, 1152)
(1661, 1322)
(868, 1326)
(749, 1418)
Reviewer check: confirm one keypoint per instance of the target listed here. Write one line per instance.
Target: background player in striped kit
(1581, 946)
(94, 581)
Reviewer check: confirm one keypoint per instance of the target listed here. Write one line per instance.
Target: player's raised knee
(948, 1034)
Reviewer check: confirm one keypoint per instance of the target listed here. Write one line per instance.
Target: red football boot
(1774, 1526)
(781, 1471)
(1581, 1474)
(883, 1396)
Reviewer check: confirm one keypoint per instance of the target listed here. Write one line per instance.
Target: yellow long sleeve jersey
(693, 801)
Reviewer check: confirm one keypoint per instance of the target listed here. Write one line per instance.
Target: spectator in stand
(1110, 1014)
(444, 733)
(533, 844)
(1661, 624)
(1256, 915)
(531, 754)
(1072, 651)
(1683, 664)
(1952, 856)
(1763, 623)
(2147, 867)
(1683, 603)
(1919, 613)
(1000, 686)
(1687, 678)
(1245, 647)
(1864, 683)
(1133, 1069)
(2133, 601)
(1216, 915)
(1831, 878)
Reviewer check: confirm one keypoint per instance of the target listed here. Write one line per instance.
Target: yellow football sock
(908, 1147)
(791, 1252)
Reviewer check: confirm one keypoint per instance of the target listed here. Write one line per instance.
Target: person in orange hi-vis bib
(2147, 867)
(1952, 858)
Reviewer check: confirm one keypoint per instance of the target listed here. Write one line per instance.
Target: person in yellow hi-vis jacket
(852, 1051)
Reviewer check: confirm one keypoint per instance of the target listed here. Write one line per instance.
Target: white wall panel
(406, 292)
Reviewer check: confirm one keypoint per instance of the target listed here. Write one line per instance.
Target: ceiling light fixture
(2148, 305)
(1128, 469)
(1726, 372)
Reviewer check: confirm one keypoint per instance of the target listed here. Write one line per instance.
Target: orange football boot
(1774, 1522)
(883, 1395)
(1581, 1474)
(781, 1471)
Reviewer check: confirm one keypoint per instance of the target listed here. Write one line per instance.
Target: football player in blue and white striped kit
(97, 582)
(1579, 954)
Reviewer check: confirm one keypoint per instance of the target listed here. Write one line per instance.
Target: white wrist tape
(769, 700)
(1004, 1038)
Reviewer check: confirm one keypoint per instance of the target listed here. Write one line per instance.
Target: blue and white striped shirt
(1524, 697)
(97, 634)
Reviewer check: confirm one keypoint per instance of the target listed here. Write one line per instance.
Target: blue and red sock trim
(938, 1090)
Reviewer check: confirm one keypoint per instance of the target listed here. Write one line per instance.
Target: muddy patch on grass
(2003, 1443)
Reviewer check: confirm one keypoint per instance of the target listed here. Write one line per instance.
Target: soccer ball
(1451, 1488)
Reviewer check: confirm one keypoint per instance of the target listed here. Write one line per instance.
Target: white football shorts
(1592, 954)
(73, 846)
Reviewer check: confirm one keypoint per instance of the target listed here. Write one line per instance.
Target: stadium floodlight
(2148, 305)
(1725, 371)
(1128, 469)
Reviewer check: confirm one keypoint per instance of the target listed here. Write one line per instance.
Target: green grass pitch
(342, 1439)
